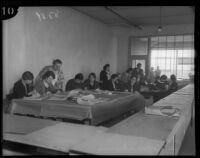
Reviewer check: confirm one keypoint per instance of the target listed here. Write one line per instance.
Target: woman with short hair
(23, 87)
(91, 83)
(45, 85)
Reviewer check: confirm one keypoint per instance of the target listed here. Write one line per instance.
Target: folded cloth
(162, 110)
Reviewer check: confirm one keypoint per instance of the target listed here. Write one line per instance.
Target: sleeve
(85, 84)
(18, 91)
(40, 88)
(59, 84)
(41, 73)
(52, 88)
(68, 86)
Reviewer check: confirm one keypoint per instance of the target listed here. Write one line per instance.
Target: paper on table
(34, 98)
(162, 110)
(58, 97)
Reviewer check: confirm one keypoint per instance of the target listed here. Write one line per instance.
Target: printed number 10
(7, 11)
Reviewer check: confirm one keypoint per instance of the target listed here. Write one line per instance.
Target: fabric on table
(117, 104)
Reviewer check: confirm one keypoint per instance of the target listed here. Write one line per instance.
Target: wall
(29, 43)
(125, 33)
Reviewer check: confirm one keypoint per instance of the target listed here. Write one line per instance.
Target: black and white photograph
(98, 80)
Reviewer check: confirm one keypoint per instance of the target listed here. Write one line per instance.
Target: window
(173, 54)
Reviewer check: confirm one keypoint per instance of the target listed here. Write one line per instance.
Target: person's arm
(19, 91)
(52, 89)
(40, 88)
(60, 82)
(41, 73)
(69, 86)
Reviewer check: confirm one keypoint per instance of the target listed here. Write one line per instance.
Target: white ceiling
(140, 15)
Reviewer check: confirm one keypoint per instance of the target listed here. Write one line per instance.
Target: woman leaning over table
(58, 81)
(45, 86)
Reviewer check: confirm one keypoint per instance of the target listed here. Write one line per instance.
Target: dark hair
(113, 76)
(173, 77)
(79, 76)
(92, 74)
(105, 66)
(27, 75)
(129, 70)
(48, 74)
(57, 61)
(139, 64)
(163, 77)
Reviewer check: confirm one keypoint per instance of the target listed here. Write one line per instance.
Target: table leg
(87, 122)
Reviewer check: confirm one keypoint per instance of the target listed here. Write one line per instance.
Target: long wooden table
(69, 138)
(169, 129)
(117, 104)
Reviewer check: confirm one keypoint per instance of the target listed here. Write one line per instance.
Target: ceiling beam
(125, 19)
(89, 15)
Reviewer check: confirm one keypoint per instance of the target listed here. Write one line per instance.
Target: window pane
(174, 56)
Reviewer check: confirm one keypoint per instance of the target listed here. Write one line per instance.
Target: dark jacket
(173, 87)
(103, 79)
(20, 91)
(71, 85)
(89, 86)
(136, 87)
(109, 86)
(161, 85)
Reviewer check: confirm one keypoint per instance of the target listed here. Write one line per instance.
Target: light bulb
(159, 28)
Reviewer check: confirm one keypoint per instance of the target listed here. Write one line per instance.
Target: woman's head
(48, 76)
(57, 63)
(106, 67)
(79, 78)
(92, 77)
(133, 79)
(139, 65)
(163, 78)
(173, 77)
(27, 77)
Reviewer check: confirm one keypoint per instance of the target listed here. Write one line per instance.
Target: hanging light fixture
(160, 26)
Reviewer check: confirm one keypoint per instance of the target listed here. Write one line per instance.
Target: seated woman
(132, 85)
(91, 83)
(173, 85)
(163, 84)
(23, 87)
(111, 85)
(75, 83)
(45, 85)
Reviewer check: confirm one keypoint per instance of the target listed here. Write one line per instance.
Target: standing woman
(58, 81)
(104, 76)
(91, 83)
